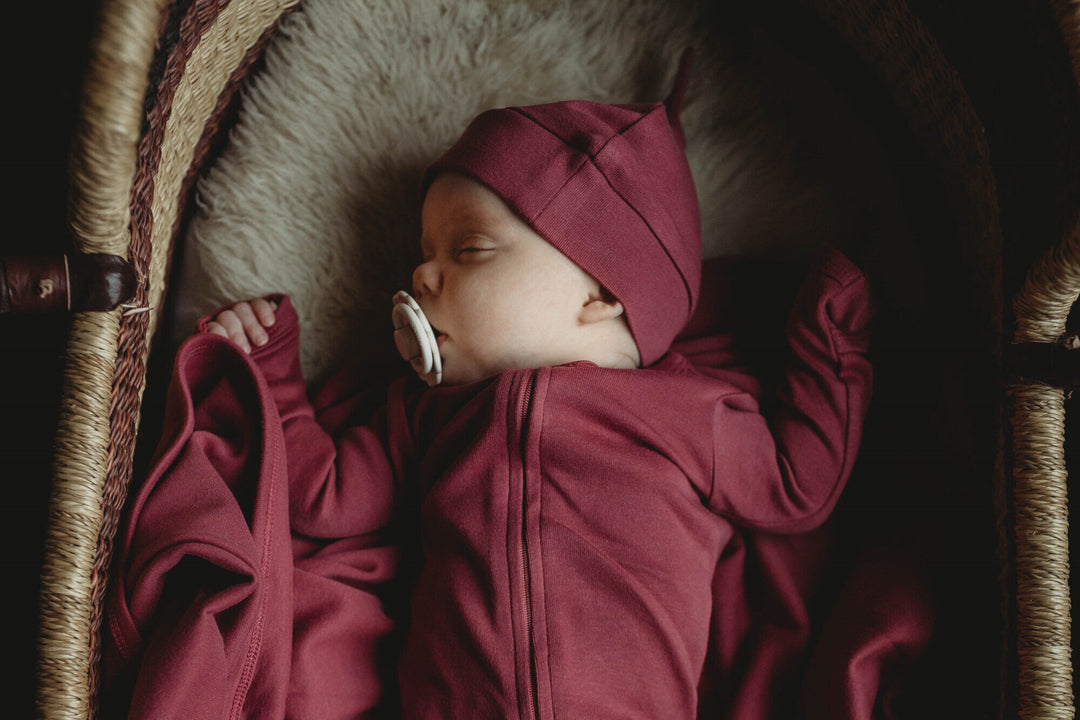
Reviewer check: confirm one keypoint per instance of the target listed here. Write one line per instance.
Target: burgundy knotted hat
(607, 185)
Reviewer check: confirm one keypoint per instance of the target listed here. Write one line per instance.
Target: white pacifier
(415, 339)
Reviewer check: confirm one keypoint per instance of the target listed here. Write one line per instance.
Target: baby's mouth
(440, 336)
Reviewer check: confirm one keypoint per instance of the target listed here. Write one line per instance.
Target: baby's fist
(244, 323)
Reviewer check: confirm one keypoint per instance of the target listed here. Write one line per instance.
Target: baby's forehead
(460, 202)
(458, 216)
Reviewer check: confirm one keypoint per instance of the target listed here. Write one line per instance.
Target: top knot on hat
(607, 185)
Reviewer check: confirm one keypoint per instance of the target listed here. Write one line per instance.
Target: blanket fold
(215, 611)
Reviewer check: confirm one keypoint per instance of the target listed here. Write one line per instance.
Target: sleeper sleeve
(341, 484)
(785, 473)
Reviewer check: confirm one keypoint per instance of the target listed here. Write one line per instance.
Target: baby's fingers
(216, 328)
(264, 310)
(253, 328)
(244, 322)
(230, 321)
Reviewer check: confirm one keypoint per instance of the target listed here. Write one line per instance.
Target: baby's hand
(244, 322)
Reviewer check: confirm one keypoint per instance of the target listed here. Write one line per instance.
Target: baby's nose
(426, 279)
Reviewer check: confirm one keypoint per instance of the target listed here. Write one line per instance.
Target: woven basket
(159, 92)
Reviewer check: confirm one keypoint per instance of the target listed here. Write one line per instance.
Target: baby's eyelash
(472, 249)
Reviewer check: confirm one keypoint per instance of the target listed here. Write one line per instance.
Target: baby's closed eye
(472, 249)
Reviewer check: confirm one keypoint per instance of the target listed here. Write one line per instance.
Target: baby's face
(497, 294)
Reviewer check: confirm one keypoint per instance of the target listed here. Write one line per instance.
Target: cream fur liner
(316, 194)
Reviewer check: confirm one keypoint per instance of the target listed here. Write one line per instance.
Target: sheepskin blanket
(316, 193)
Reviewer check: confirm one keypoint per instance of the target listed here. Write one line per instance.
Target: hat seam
(652, 231)
(591, 157)
(621, 131)
(656, 237)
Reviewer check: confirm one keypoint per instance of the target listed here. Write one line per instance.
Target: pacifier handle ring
(409, 311)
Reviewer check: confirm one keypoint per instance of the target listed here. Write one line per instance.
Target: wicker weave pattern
(74, 518)
(1041, 531)
(101, 185)
(115, 170)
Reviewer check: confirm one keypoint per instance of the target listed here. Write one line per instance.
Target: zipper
(533, 691)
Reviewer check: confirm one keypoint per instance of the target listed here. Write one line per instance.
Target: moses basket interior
(165, 86)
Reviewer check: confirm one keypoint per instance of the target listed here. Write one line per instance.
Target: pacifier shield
(415, 339)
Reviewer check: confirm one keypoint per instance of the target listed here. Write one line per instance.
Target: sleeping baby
(574, 481)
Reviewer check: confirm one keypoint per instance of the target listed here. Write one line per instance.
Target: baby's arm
(785, 473)
(338, 486)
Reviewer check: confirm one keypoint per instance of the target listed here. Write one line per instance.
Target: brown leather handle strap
(62, 283)
(35, 284)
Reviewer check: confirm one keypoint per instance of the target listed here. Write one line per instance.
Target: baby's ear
(599, 308)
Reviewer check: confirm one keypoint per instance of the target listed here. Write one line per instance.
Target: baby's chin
(454, 374)
(461, 369)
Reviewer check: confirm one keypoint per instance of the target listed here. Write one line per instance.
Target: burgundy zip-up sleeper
(572, 524)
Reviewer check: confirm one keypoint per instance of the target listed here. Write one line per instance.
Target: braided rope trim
(217, 43)
(107, 352)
